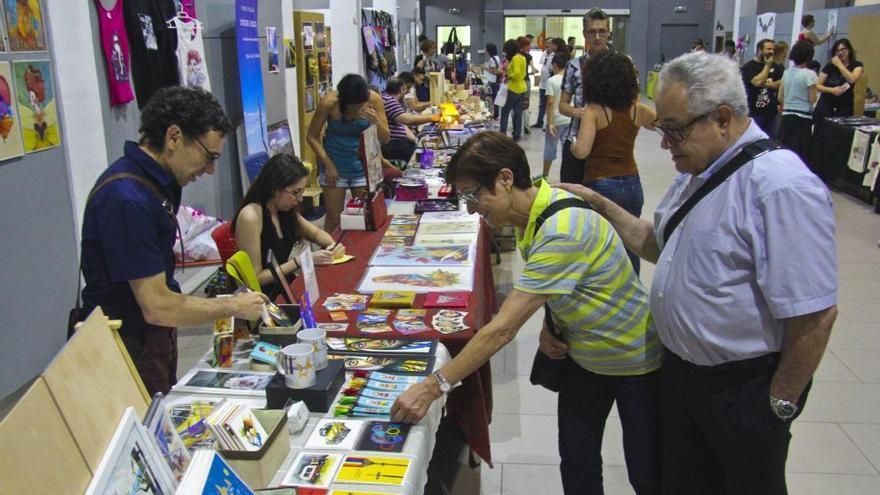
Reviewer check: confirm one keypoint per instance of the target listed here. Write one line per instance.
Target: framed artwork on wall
(11, 144)
(37, 105)
(24, 25)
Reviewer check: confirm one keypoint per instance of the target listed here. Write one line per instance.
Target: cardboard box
(352, 222)
(258, 467)
(318, 398)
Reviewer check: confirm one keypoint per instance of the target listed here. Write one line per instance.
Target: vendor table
(470, 405)
(830, 156)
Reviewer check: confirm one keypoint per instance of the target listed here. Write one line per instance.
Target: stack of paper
(236, 428)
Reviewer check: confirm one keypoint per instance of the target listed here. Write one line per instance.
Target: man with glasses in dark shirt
(597, 34)
(129, 231)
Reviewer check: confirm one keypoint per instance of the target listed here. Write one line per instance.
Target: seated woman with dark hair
(610, 123)
(268, 219)
(576, 268)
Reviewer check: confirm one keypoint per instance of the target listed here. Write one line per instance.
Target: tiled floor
(836, 444)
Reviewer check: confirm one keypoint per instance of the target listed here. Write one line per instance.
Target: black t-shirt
(834, 78)
(762, 101)
(153, 46)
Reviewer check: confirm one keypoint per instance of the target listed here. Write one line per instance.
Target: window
(562, 27)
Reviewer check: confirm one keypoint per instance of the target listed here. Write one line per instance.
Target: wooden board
(39, 454)
(302, 56)
(93, 381)
(863, 35)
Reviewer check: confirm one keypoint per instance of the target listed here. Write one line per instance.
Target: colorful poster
(460, 255)
(272, 49)
(37, 106)
(250, 76)
(24, 25)
(419, 279)
(10, 127)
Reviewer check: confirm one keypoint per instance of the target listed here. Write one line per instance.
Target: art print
(448, 228)
(461, 255)
(168, 440)
(319, 35)
(387, 363)
(289, 53)
(364, 345)
(335, 434)
(308, 35)
(765, 26)
(24, 25)
(11, 144)
(373, 158)
(384, 436)
(323, 66)
(131, 463)
(309, 99)
(280, 140)
(374, 470)
(310, 75)
(37, 105)
(419, 279)
(312, 469)
(225, 382)
(449, 216)
(189, 419)
(444, 239)
(272, 49)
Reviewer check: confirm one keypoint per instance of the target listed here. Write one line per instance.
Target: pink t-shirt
(114, 42)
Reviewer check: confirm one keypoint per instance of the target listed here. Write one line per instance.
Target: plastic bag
(196, 228)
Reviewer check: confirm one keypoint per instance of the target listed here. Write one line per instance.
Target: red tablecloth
(470, 405)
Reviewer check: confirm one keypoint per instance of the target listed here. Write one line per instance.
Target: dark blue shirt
(127, 234)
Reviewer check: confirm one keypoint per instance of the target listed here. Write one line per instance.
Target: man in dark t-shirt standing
(762, 77)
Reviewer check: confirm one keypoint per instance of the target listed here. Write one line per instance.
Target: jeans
(542, 107)
(626, 192)
(495, 108)
(514, 102)
(585, 400)
(719, 434)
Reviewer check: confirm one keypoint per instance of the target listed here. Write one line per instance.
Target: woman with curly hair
(607, 133)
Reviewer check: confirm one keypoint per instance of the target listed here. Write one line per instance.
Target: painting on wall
(10, 127)
(36, 103)
(24, 25)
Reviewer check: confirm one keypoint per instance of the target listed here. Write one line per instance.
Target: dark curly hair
(194, 110)
(610, 79)
(802, 52)
(482, 157)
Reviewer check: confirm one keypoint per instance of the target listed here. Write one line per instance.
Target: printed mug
(318, 339)
(297, 363)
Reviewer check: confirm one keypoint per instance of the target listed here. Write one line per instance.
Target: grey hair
(710, 81)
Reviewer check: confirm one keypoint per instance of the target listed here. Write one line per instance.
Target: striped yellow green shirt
(596, 297)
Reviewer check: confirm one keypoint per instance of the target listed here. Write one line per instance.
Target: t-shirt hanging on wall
(191, 54)
(114, 43)
(153, 46)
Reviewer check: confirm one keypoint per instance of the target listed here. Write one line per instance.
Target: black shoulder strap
(747, 154)
(548, 212)
(167, 205)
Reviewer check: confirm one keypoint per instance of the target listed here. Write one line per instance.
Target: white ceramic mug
(318, 340)
(297, 363)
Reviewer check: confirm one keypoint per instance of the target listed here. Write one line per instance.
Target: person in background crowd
(402, 143)
(421, 90)
(698, 45)
(597, 33)
(347, 112)
(546, 72)
(268, 220)
(780, 52)
(576, 265)
(515, 76)
(836, 95)
(525, 47)
(730, 50)
(762, 76)
(608, 130)
(797, 96)
(745, 287)
(557, 124)
(128, 232)
(429, 60)
(808, 22)
(492, 73)
(412, 80)
(571, 42)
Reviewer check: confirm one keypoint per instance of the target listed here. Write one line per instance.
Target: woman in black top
(268, 219)
(836, 81)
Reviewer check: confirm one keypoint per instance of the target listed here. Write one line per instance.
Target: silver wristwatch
(783, 409)
(442, 382)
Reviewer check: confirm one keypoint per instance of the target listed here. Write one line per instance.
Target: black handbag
(547, 372)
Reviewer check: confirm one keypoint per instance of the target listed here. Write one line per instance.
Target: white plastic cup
(297, 363)
(317, 338)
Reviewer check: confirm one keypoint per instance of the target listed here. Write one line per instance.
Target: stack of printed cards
(333, 327)
(384, 436)
(345, 302)
(393, 299)
(447, 321)
(335, 434)
(405, 220)
(447, 299)
(374, 320)
(236, 428)
(410, 321)
(312, 469)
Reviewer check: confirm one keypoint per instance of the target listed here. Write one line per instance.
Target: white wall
(347, 48)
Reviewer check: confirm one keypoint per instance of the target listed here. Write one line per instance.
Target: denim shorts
(345, 182)
(550, 142)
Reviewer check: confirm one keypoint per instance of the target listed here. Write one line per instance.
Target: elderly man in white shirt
(745, 290)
